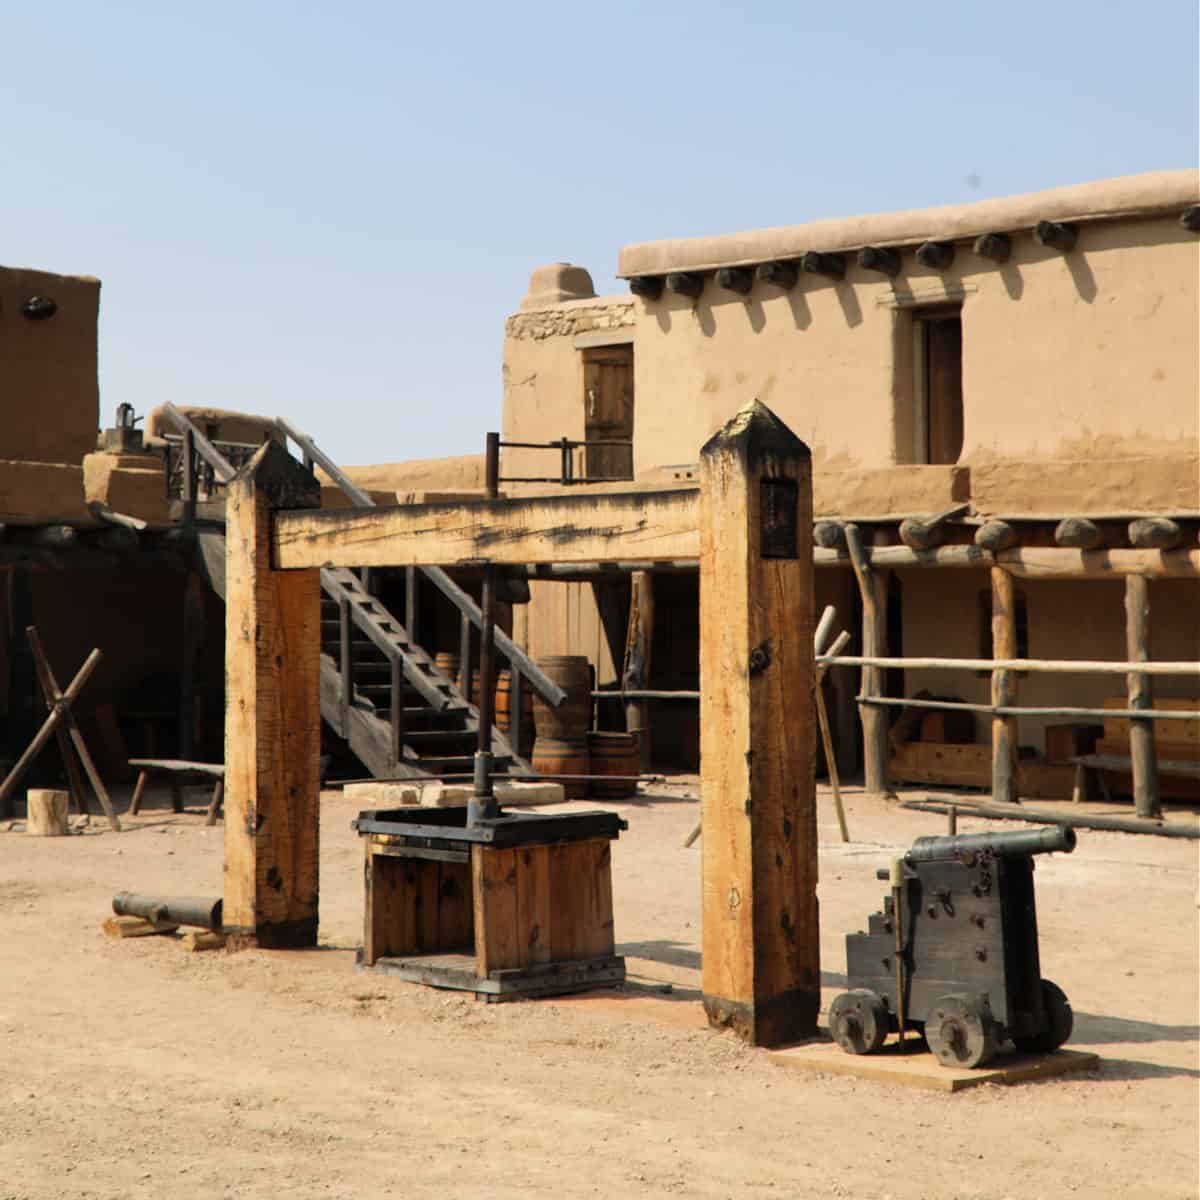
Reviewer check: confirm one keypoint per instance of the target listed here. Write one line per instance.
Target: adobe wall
(1082, 619)
(49, 396)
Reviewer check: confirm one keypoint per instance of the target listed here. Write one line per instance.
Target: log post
(635, 674)
(1141, 695)
(272, 713)
(761, 960)
(872, 590)
(1004, 688)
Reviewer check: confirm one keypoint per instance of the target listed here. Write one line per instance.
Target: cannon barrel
(170, 910)
(1025, 841)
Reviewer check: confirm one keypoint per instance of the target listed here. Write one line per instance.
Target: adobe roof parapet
(1146, 195)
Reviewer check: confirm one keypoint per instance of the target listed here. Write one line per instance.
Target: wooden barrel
(614, 754)
(504, 706)
(553, 756)
(447, 662)
(571, 721)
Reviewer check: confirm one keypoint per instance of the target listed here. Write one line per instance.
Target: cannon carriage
(953, 954)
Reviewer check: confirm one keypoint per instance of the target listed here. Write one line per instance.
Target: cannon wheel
(960, 1032)
(1060, 1020)
(859, 1021)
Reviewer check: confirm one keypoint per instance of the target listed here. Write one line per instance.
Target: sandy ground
(135, 1069)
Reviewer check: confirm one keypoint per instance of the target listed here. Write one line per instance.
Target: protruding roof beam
(1056, 235)
(649, 287)
(936, 256)
(832, 266)
(779, 274)
(736, 279)
(879, 258)
(996, 246)
(685, 283)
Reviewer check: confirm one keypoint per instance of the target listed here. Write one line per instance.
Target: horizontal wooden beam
(1037, 666)
(625, 526)
(1034, 562)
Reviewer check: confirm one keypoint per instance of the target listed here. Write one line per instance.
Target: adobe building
(1031, 361)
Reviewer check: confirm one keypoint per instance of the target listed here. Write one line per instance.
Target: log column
(1141, 695)
(635, 674)
(1004, 688)
(272, 713)
(761, 963)
(872, 587)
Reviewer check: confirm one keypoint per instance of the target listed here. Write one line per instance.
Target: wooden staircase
(382, 693)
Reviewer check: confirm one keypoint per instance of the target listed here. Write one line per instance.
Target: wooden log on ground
(635, 673)
(994, 246)
(881, 259)
(46, 812)
(1141, 696)
(996, 536)
(783, 275)
(761, 944)
(1078, 533)
(272, 713)
(1004, 688)
(1057, 235)
(1155, 533)
(874, 631)
(736, 279)
(936, 256)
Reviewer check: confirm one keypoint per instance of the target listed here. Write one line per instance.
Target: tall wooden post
(1004, 688)
(872, 588)
(635, 673)
(761, 966)
(272, 713)
(1141, 695)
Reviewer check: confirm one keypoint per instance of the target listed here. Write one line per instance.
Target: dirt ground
(136, 1069)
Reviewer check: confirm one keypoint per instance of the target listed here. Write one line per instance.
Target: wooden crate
(1065, 742)
(971, 766)
(952, 728)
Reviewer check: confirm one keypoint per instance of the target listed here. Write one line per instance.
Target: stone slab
(919, 1069)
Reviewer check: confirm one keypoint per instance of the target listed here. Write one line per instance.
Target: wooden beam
(272, 713)
(783, 275)
(1048, 666)
(761, 946)
(996, 535)
(736, 279)
(1078, 533)
(1190, 218)
(1056, 235)
(632, 526)
(923, 533)
(936, 256)
(686, 283)
(829, 535)
(994, 246)
(871, 588)
(649, 287)
(1155, 533)
(1004, 687)
(832, 266)
(1141, 695)
(879, 258)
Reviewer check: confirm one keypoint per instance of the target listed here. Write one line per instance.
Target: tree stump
(46, 811)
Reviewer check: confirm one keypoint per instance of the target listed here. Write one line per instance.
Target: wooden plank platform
(457, 971)
(917, 1068)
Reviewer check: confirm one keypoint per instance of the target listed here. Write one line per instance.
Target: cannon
(954, 953)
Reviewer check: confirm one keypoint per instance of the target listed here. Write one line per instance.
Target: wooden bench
(1099, 763)
(178, 770)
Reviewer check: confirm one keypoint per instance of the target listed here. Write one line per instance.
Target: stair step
(456, 763)
(438, 737)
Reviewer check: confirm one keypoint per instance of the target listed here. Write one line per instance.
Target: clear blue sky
(327, 210)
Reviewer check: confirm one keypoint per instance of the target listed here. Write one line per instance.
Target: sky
(326, 211)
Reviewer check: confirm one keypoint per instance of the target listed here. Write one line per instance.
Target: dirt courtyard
(136, 1069)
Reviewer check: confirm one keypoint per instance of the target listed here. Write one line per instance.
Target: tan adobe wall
(50, 408)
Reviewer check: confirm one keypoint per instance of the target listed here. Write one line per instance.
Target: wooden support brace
(1004, 688)
(635, 674)
(871, 587)
(761, 959)
(273, 716)
(1142, 751)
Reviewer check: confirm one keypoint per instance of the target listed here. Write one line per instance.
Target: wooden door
(943, 389)
(608, 411)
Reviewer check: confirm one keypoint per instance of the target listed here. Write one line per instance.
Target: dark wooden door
(608, 411)
(943, 389)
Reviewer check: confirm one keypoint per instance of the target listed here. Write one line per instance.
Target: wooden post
(872, 588)
(635, 674)
(1004, 688)
(761, 963)
(192, 645)
(1141, 695)
(272, 713)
